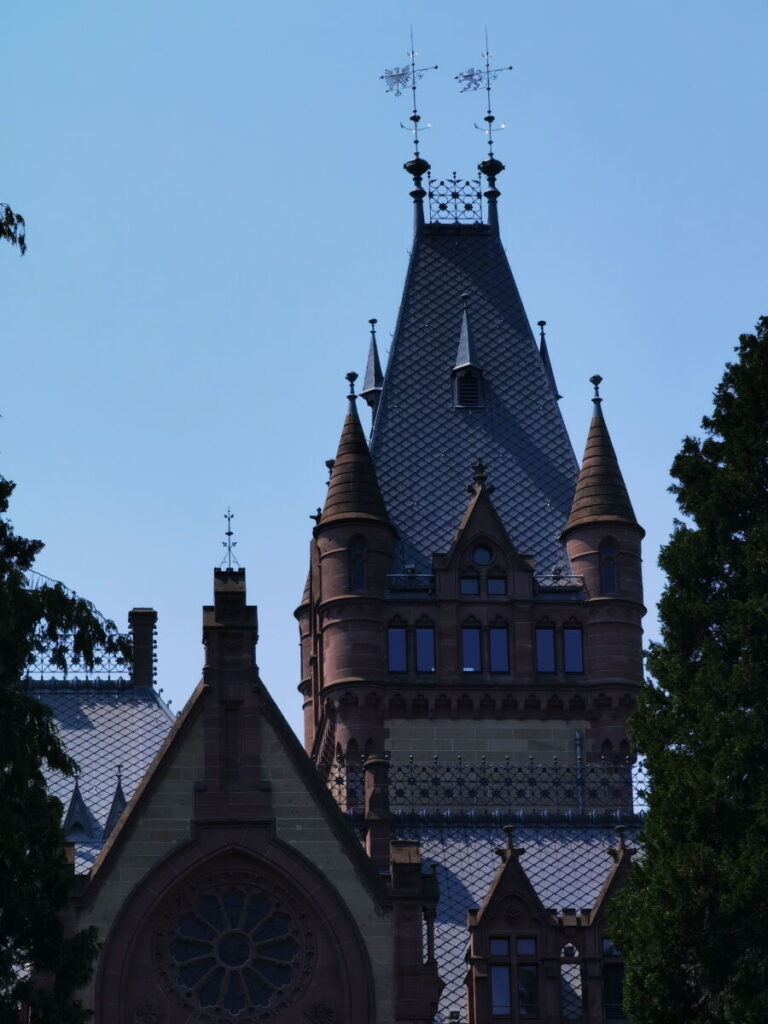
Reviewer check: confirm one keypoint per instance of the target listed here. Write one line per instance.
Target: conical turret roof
(601, 494)
(353, 490)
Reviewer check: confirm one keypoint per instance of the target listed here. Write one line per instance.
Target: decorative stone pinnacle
(541, 325)
(478, 470)
(465, 299)
(351, 377)
(597, 380)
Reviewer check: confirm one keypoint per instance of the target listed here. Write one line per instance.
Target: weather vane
(229, 544)
(476, 78)
(396, 79)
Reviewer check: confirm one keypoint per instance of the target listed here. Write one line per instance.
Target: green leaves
(42, 962)
(693, 918)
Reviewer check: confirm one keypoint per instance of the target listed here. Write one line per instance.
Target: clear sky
(216, 206)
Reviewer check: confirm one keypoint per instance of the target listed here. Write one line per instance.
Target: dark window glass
(498, 947)
(425, 649)
(609, 949)
(499, 648)
(469, 585)
(468, 389)
(501, 990)
(573, 652)
(482, 555)
(357, 566)
(497, 586)
(528, 990)
(525, 947)
(470, 649)
(613, 991)
(396, 649)
(608, 567)
(545, 649)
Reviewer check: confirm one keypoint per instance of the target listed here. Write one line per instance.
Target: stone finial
(351, 377)
(596, 380)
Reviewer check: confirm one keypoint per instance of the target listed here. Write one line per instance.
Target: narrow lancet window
(397, 652)
(545, 649)
(425, 649)
(468, 390)
(357, 574)
(607, 557)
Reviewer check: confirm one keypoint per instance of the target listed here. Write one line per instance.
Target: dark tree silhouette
(692, 920)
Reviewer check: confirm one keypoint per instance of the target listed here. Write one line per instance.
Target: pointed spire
(544, 353)
(118, 804)
(353, 490)
(465, 354)
(601, 494)
(78, 821)
(374, 378)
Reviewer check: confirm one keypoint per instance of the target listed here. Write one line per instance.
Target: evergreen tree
(41, 966)
(692, 920)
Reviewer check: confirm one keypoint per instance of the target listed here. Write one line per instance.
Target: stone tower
(470, 591)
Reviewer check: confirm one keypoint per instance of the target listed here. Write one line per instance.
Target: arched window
(608, 576)
(357, 573)
(468, 389)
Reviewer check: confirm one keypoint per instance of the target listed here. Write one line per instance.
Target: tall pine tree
(692, 920)
(41, 964)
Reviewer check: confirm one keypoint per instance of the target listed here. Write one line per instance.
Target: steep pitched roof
(103, 726)
(601, 494)
(353, 491)
(422, 444)
(567, 867)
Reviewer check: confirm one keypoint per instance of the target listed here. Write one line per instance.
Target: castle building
(444, 845)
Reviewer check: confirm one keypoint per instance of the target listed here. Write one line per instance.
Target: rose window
(235, 949)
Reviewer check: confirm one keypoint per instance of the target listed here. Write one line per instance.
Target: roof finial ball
(596, 380)
(352, 377)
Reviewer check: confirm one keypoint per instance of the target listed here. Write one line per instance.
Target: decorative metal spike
(596, 380)
(396, 79)
(475, 78)
(229, 544)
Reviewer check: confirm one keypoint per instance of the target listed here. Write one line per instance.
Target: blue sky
(216, 206)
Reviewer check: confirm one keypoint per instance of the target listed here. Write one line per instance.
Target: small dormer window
(468, 389)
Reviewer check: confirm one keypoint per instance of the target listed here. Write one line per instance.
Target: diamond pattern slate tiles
(566, 866)
(424, 448)
(101, 729)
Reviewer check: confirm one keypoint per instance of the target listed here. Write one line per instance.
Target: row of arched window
(484, 648)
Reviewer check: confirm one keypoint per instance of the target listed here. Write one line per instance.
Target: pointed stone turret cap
(353, 490)
(601, 494)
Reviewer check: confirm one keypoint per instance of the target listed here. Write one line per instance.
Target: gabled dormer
(483, 561)
(467, 373)
(510, 940)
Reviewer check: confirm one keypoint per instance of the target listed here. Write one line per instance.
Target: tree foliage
(41, 963)
(13, 228)
(693, 918)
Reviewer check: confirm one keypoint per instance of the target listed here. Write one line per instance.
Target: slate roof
(103, 726)
(423, 447)
(566, 866)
